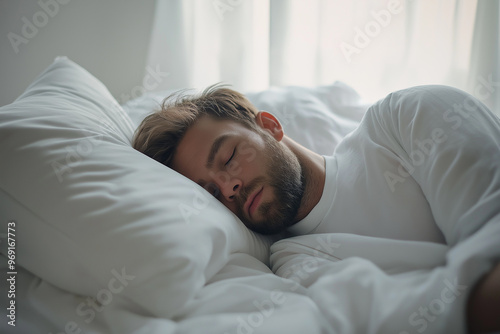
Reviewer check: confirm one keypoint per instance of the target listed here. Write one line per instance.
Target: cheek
(252, 149)
(235, 168)
(246, 171)
(247, 165)
(254, 160)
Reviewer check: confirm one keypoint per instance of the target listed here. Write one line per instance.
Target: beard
(285, 176)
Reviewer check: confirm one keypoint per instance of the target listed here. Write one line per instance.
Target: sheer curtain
(376, 46)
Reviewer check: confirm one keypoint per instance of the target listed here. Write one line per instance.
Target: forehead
(193, 149)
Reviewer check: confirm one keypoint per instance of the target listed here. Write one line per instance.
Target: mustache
(248, 190)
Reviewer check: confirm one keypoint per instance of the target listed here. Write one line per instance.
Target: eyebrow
(215, 148)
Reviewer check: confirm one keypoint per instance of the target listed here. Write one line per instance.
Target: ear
(268, 122)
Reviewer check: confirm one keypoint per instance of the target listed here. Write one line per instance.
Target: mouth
(253, 201)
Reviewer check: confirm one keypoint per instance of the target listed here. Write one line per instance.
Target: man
(415, 169)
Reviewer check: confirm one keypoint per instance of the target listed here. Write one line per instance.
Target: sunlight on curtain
(202, 42)
(375, 46)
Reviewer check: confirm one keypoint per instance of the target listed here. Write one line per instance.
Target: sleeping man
(423, 165)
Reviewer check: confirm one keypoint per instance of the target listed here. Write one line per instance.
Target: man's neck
(314, 171)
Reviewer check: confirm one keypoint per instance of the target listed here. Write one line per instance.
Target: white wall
(109, 38)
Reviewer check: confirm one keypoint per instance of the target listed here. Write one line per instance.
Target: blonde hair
(159, 134)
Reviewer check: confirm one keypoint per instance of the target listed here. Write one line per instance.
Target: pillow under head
(90, 210)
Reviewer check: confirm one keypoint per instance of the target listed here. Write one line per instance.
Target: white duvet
(376, 285)
(320, 283)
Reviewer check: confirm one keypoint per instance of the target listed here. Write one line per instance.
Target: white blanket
(439, 142)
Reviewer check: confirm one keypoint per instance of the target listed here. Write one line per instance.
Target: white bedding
(324, 283)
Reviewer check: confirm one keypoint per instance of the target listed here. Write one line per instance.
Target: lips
(253, 201)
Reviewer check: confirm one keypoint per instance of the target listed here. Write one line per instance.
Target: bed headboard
(108, 38)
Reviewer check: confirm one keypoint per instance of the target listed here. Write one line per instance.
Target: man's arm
(483, 308)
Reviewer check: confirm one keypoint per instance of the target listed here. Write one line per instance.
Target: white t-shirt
(450, 145)
(360, 197)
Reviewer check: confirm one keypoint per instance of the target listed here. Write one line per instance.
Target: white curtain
(376, 46)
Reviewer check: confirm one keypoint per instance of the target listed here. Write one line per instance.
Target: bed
(103, 239)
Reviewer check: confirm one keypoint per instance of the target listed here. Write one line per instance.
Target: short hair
(159, 134)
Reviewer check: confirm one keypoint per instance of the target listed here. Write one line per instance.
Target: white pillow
(96, 217)
(316, 117)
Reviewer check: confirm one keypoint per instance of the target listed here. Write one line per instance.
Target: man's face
(252, 173)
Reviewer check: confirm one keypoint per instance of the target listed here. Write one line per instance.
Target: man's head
(219, 140)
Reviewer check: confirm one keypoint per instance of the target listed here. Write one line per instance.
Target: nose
(230, 188)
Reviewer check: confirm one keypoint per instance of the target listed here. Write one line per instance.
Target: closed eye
(230, 158)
